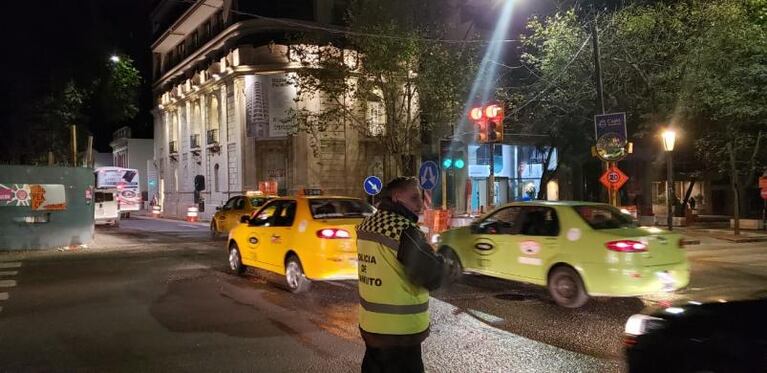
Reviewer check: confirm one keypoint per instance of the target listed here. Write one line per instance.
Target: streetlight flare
(669, 138)
(115, 59)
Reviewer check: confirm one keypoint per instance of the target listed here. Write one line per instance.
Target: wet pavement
(156, 295)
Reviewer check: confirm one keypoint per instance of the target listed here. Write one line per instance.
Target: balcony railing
(172, 147)
(195, 141)
(212, 136)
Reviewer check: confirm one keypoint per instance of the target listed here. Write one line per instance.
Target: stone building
(220, 84)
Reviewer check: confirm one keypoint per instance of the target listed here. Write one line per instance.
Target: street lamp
(115, 58)
(669, 138)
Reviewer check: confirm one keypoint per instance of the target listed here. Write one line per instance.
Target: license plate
(667, 280)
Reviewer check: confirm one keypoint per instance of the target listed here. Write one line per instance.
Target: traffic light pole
(491, 179)
(443, 180)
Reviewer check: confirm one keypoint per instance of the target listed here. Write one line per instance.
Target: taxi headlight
(642, 324)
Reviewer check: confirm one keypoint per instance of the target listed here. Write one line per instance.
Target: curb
(200, 223)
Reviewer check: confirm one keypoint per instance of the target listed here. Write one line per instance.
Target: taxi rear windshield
(339, 208)
(604, 217)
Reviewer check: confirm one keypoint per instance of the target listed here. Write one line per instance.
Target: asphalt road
(155, 295)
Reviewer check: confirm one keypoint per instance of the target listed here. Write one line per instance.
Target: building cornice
(217, 43)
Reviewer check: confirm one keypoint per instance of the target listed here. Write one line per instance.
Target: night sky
(51, 41)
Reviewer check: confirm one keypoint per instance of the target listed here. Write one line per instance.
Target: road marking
(7, 283)
(3, 296)
(10, 264)
(9, 273)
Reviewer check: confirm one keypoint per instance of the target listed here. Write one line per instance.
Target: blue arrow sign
(372, 185)
(428, 175)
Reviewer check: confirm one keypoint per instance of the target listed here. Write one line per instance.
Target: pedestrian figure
(397, 269)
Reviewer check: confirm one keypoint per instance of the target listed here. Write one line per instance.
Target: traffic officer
(397, 268)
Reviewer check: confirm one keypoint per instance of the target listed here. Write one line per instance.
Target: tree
(555, 95)
(106, 99)
(380, 79)
(697, 65)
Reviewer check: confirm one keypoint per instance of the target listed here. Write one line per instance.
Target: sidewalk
(724, 234)
(142, 214)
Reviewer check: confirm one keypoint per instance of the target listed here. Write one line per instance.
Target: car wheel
(235, 260)
(116, 223)
(566, 287)
(213, 230)
(455, 272)
(294, 276)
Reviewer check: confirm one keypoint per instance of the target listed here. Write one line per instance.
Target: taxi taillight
(331, 233)
(626, 246)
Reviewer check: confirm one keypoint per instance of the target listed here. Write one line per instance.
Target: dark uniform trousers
(400, 359)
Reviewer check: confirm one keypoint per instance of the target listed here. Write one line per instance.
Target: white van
(106, 210)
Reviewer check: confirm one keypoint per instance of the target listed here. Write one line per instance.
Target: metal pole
(491, 179)
(50, 158)
(443, 179)
(597, 64)
(611, 193)
(74, 145)
(669, 189)
(89, 157)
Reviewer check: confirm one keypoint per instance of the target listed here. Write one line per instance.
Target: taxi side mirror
(218, 208)
(474, 227)
(244, 219)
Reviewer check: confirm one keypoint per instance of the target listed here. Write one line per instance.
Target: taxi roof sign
(310, 192)
(254, 193)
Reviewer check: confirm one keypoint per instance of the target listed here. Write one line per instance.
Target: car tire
(116, 223)
(213, 230)
(235, 260)
(566, 287)
(455, 272)
(295, 278)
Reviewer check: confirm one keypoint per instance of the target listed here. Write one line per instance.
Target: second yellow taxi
(230, 214)
(304, 238)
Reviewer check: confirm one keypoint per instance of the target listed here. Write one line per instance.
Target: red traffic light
(488, 120)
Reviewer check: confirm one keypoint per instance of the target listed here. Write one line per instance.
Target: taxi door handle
(275, 236)
(253, 240)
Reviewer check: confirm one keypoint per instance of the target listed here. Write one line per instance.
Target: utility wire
(336, 30)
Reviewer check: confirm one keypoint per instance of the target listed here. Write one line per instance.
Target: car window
(539, 221)
(264, 216)
(284, 214)
(239, 203)
(503, 221)
(104, 197)
(339, 208)
(258, 201)
(604, 217)
(230, 203)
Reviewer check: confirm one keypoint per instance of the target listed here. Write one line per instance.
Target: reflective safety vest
(389, 302)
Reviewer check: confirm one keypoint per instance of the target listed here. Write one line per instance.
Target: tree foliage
(383, 79)
(43, 125)
(700, 66)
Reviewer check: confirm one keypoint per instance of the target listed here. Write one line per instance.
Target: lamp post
(669, 137)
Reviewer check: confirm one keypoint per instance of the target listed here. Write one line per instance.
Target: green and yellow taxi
(230, 214)
(576, 249)
(304, 238)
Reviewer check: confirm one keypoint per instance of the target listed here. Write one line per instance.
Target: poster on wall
(39, 197)
(267, 99)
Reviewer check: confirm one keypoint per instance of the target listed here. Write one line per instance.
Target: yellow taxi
(230, 214)
(304, 238)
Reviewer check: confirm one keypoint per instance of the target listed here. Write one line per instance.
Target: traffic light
(451, 155)
(459, 161)
(488, 123)
(494, 115)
